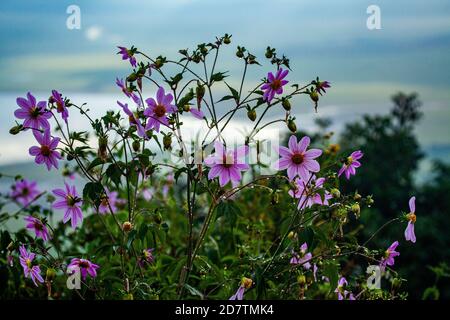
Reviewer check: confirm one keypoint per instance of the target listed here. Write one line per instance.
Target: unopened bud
(286, 104)
(127, 226)
(292, 126)
(251, 114)
(335, 193)
(50, 274)
(356, 209)
(136, 146)
(314, 96)
(301, 279)
(16, 129)
(167, 142)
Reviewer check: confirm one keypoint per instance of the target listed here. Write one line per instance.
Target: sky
(330, 39)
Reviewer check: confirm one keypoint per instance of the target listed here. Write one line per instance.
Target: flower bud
(167, 142)
(102, 147)
(227, 39)
(292, 235)
(239, 54)
(301, 279)
(269, 53)
(251, 114)
(246, 283)
(127, 226)
(50, 274)
(128, 296)
(292, 126)
(335, 193)
(314, 96)
(16, 129)
(356, 209)
(357, 197)
(286, 104)
(132, 77)
(136, 145)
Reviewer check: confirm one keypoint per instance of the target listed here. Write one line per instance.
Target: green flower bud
(335, 193)
(167, 142)
(314, 96)
(292, 126)
(301, 279)
(16, 129)
(251, 114)
(286, 104)
(356, 209)
(50, 274)
(136, 145)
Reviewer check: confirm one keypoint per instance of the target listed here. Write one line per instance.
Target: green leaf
(219, 76)
(94, 163)
(193, 291)
(331, 271)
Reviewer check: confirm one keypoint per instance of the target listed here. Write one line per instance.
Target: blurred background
(406, 137)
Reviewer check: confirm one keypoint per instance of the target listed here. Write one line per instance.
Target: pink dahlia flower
(56, 98)
(46, 153)
(108, 200)
(158, 110)
(297, 160)
(227, 164)
(34, 114)
(71, 203)
(39, 228)
(24, 191)
(411, 216)
(390, 254)
(351, 163)
(306, 193)
(303, 258)
(30, 271)
(127, 55)
(133, 120)
(84, 266)
(274, 84)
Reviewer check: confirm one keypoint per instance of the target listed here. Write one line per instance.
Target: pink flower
(30, 271)
(321, 86)
(297, 160)
(168, 184)
(390, 254)
(128, 55)
(351, 163)
(24, 191)
(305, 193)
(147, 257)
(148, 193)
(109, 200)
(35, 115)
(46, 153)
(84, 266)
(60, 104)
(71, 203)
(157, 110)
(121, 84)
(274, 84)
(411, 216)
(246, 283)
(133, 120)
(226, 164)
(341, 291)
(197, 113)
(39, 228)
(303, 258)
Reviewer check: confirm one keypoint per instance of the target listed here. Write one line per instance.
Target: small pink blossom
(158, 110)
(302, 258)
(274, 84)
(411, 216)
(34, 114)
(84, 266)
(351, 163)
(24, 191)
(71, 203)
(121, 84)
(39, 228)
(133, 120)
(107, 201)
(61, 107)
(46, 153)
(128, 54)
(246, 283)
(297, 160)
(227, 164)
(390, 254)
(307, 194)
(30, 271)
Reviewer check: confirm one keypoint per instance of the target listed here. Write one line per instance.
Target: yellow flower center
(349, 161)
(411, 217)
(28, 262)
(246, 282)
